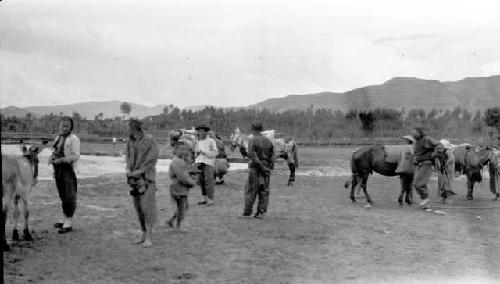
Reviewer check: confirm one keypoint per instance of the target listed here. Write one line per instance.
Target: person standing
(445, 166)
(142, 156)
(179, 173)
(291, 158)
(205, 153)
(261, 155)
(425, 152)
(64, 160)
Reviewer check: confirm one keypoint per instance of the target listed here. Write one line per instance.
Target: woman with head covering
(64, 157)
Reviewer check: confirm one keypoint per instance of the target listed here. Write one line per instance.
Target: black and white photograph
(250, 141)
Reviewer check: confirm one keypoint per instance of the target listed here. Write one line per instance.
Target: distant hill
(13, 111)
(89, 110)
(402, 92)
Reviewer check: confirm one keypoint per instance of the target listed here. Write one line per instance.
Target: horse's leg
(409, 189)
(15, 234)
(470, 187)
(406, 189)
(400, 198)
(364, 179)
(291, 179)
(26, 231)
(355, 182)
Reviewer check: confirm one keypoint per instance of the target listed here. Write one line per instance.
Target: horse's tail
(354, 170)
(348, 182)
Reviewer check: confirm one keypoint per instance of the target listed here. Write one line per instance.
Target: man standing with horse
(261, 154)
(425, 152)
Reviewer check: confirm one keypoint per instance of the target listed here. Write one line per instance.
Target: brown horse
(369, 159)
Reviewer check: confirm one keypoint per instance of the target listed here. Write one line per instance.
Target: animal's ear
(467, 147)
(35, 149)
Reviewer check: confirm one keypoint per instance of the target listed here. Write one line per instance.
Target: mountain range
(473, 93)
(89, 110)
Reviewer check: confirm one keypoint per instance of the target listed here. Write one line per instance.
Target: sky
(234, 53)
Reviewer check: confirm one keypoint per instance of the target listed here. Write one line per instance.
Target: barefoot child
(180, 173)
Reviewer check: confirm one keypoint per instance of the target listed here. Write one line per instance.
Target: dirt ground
(311, 234)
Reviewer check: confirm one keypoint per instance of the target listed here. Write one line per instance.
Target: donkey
(19, 175)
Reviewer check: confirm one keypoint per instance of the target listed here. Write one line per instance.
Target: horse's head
(487, 154)
(175, 135)
(30, 153)
(234, 139)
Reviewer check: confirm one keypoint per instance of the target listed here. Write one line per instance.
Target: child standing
(179, 172)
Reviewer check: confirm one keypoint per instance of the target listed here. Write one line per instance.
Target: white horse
(19, 175)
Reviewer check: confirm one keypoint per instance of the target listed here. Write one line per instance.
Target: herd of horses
(19, 174)
(468, 160)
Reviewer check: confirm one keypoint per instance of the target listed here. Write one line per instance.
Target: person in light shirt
(64, 159)
(205, 153)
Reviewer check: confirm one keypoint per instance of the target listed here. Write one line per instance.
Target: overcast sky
(233, 53)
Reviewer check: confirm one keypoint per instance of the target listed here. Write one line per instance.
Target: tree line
(305, 125)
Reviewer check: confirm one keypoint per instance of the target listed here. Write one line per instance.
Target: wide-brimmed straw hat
(202, 126)
(409, 138)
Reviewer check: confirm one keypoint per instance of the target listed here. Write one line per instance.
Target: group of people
(427, 151)
(187, 169)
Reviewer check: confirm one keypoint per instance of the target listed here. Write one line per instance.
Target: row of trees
(306, 125)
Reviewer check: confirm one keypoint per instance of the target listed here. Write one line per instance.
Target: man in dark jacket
(425, 152)
(261, 154)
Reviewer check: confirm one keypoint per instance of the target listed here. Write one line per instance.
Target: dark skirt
(66, 184)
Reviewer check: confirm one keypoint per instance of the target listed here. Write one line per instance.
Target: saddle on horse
(402, 155)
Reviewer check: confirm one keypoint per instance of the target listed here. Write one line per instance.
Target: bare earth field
(311, 234)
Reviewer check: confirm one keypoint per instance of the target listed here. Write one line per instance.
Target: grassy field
(311, 234)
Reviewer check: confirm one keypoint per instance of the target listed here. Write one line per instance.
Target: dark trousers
(291, 166)
(66, 186)
(207, 180)
(145, 206)
(182, 205)
(257, 186)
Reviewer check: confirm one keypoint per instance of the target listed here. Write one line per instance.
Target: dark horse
(470, 160)
(369, 159)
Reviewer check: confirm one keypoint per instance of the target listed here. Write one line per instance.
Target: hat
(409, 138)
(202, 126)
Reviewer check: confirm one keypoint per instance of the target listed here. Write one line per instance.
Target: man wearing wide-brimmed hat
(205, 153)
